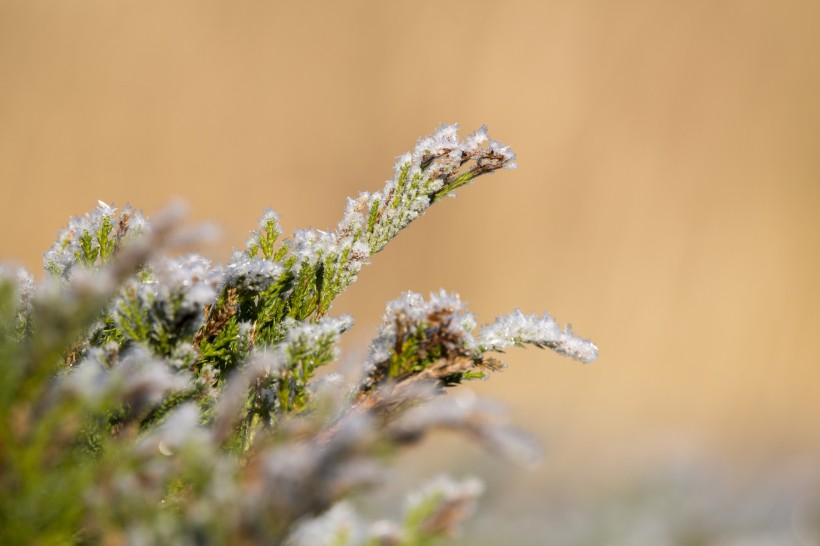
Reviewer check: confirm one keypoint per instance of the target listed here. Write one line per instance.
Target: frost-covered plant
(148, 399)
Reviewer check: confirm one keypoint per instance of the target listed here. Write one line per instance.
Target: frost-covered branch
(434, 340)
(150, 398)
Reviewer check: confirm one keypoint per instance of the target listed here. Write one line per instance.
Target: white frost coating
(442, 141)
(474, 141)
(414, 308)
(192, 276)
(301, 338)
(508, 156)
(269, 215)
(459, 321)
(417, 177)
(353, 219)
(413, 305)
(136, 222)
(310, 333)
(402, 161)
(310, 245)
(517, 328)
(314, 245)
(255, 274)
(61, 258)
(180, 429)
(174, 291)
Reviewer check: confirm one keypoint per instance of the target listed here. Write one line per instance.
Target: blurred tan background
(666, 203)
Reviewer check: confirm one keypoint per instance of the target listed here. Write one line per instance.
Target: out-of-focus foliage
(150, 399)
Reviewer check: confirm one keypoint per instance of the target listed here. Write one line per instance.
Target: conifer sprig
(146, 398)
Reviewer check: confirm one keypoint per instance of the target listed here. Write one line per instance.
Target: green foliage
(150, 399)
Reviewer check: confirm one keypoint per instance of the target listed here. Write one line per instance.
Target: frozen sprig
(150, 399)
(90, 240)
(516, 329)
(165, 306)
(312, 344)
(305, 348)
(263, 240)
(439, 164)
(417, 336)
(433, 340)
(300, 277)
